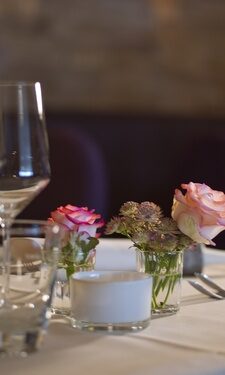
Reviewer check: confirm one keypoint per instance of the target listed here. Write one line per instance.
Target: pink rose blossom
(78, 219)
(200, 213)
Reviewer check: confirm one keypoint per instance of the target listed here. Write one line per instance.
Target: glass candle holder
(35, 249)
(110, 300)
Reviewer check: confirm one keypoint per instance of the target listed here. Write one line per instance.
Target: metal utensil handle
(207, 280)
(203, 290)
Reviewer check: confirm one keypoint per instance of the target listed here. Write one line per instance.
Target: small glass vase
(166, 268)
(77, 262)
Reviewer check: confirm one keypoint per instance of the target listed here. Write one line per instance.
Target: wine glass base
(20, 343)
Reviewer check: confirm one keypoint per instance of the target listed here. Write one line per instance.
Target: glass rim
(32, 227)
(33, 221)
(18, 83)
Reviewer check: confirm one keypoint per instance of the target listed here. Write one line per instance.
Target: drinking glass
(34, 249)
(24, 165)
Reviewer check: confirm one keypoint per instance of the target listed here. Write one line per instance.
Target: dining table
(190, 342)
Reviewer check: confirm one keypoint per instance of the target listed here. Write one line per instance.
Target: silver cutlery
(208, 281)
(25, 267)
(219, 295)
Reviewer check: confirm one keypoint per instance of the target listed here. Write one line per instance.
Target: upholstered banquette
(104, 160)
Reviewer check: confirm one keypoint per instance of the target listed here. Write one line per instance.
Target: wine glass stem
(5, 226)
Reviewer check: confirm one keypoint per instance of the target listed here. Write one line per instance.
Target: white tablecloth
(192, 342)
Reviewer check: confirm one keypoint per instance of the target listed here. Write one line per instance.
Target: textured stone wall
(164, 56)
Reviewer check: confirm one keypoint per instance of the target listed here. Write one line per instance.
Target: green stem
(168, 291)
(164, 267)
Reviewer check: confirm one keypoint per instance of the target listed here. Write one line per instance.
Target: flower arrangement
(144, 224)
(200, 213)
(81, 236)
(197, 217)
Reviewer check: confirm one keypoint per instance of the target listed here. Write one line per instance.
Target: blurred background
(134, 95)
(134, 56)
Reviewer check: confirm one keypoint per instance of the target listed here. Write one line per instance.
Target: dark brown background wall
(140, 56)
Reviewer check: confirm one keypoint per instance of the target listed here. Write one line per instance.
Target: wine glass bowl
(24, 162)
(24, 165)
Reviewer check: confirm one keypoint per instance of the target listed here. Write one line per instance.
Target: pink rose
(200, 213)
(78, 219)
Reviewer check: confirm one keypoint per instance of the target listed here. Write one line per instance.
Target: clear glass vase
(166, 268)
(77, 261)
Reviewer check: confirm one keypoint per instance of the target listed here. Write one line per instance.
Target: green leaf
(70, 269)
(75, 253)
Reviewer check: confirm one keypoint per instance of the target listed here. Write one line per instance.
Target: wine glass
(24, 164)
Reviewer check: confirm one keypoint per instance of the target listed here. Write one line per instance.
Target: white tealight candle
(110, 299)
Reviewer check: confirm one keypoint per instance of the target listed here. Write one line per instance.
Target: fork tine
(203, 290)
(30, 266)
(21, 268)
